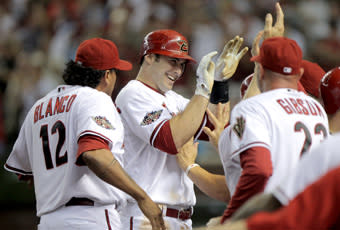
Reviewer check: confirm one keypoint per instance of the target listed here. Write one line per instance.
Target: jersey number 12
(58, 126)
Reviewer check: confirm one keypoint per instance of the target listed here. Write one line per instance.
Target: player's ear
(149, 58)
(106, 77)
(260, 71)
(301, 71)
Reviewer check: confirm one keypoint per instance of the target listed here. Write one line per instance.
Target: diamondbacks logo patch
(183, 45)
(103, 122)
(151, 117)
(238, 128)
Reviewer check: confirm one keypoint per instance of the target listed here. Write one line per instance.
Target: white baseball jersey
(285, 121)
(47, 146)
(311, 167)
(143, 112)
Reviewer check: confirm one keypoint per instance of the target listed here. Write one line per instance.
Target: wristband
(220, 92)
(190, 167)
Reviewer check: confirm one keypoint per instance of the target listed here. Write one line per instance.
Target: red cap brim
(123, 65)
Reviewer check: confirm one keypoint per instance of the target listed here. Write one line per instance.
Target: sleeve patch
(103, 122)
(151, 117)
(239, 127)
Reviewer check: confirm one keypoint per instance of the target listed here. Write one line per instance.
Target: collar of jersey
(151, 88)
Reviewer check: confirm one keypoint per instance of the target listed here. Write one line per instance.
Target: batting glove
(205, 75)
(227, 62)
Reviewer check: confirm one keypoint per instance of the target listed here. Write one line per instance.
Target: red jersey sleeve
(164, 140)
(317, 207)
(88, 143)
(257, 168)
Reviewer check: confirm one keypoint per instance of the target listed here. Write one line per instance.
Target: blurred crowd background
(39, 36)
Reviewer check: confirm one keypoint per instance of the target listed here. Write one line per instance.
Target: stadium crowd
(37, 37)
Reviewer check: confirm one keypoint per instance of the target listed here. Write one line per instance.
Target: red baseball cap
(281, 55)
(100, 54)
(311, 77)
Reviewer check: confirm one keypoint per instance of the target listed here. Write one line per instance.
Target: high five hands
(229, 59)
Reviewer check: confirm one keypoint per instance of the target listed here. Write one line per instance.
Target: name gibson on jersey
(300, 106)
(56, 106)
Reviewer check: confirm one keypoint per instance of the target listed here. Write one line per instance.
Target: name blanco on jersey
(54, 107)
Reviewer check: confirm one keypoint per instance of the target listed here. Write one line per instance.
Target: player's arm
(103, 163)
(184, 125)
(106, 167)
(213, 185)
(256, 169)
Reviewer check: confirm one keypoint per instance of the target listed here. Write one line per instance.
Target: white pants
(133, 218)
(81, 217)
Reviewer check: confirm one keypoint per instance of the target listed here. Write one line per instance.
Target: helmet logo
(183, 45)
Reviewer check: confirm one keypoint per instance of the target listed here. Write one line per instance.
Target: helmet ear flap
(330, 90)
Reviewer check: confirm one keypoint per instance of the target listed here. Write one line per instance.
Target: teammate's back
(71, 144)
(53, 153)
(269, 132)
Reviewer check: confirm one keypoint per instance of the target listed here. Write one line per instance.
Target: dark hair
(76, 74)
(142, 58)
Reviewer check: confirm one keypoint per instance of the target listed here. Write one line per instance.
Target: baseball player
(71, 142)
(268, 133)
(156, 127)
(311, 166)
(159, 121)
(316, 164)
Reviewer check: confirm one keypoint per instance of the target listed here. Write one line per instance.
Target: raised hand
(229, 59)
(278, 29)
(205, 75)
(219, 121)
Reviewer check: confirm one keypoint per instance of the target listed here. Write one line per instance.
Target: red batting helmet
(330, 90)
(166, 42)
(245, 84)
(311, 77)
